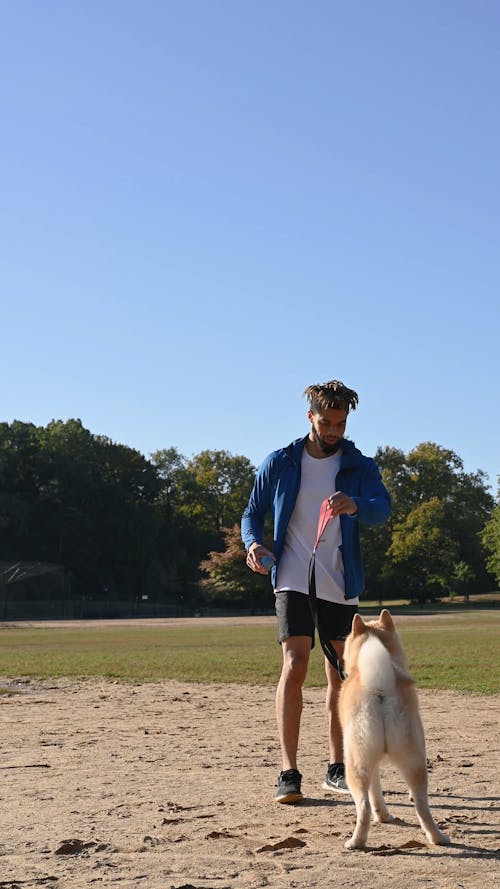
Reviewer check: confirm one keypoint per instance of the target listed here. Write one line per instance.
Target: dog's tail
(375, 667)
(378, 671)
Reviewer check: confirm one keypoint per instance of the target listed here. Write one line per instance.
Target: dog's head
(384, 628)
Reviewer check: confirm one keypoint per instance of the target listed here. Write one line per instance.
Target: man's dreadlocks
(332, 394)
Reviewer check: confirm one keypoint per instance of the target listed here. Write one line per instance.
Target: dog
(378, 711)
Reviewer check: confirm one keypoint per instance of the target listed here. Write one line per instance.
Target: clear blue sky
(209, 204)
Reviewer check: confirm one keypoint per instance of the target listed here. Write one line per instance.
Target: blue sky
(207, 206)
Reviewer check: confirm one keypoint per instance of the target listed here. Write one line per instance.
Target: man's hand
(255, 554)
(341, 504)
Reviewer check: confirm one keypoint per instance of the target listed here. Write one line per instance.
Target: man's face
(327, 428)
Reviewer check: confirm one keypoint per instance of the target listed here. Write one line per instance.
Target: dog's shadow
(464, 851)
(469, 799)
(396, 799)
(474, 851)
(325, 803)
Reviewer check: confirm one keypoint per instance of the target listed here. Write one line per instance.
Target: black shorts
(295, 618)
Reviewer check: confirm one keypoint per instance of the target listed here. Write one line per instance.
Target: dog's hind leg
(377, 801)
(358, 781)
(427, 823)
(416, 778)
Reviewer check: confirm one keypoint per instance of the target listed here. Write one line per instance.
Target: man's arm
(373, 505)
(252, 522)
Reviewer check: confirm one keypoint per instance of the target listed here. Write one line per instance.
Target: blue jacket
(275, 490)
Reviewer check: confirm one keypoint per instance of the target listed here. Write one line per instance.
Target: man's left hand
(341, 504)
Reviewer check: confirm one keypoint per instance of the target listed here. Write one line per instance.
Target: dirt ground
(170, 786)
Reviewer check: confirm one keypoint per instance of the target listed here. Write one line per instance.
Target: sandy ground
(170, 786)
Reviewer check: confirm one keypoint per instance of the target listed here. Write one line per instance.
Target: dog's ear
(358, 625)
(386, 620)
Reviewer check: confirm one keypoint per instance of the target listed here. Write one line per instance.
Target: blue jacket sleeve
(259, 504)
(373, 502)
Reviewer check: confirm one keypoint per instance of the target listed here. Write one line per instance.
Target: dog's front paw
(383, 817)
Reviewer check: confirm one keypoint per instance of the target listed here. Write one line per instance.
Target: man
(291, 484)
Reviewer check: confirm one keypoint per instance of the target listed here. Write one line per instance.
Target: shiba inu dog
(378, 711)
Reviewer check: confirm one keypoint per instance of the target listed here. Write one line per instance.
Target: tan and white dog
(378, 710)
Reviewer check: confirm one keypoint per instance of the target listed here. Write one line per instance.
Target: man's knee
(295, 661)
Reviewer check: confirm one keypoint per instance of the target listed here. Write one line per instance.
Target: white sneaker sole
(343, 790)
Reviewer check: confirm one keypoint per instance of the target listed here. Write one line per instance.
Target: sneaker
(288, 787)
(335, 778)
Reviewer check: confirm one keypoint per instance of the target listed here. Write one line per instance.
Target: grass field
(454, 651)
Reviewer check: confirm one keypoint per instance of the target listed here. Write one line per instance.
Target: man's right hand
(255, 554)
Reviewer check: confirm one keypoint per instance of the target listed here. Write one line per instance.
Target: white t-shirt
(317, 483)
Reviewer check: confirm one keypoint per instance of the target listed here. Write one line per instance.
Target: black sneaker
(288, 787)
(335, 778)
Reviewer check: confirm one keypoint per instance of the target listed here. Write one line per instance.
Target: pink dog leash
(325, 515)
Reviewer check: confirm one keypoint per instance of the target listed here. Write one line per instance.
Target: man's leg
(335, 775)
(296, 651)
(335, 736)
(336, 621)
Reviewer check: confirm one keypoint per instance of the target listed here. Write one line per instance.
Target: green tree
(179, 545)
(80, 500)
(431, 472)
(462, 579)
(229, 580)
(20, 460)
(434, 471)
(170, 466)
(199, 498)
(213, 489)
(422, 551)
(396, 476)
(490, 539)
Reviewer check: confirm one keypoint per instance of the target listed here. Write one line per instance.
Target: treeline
(166, 529)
